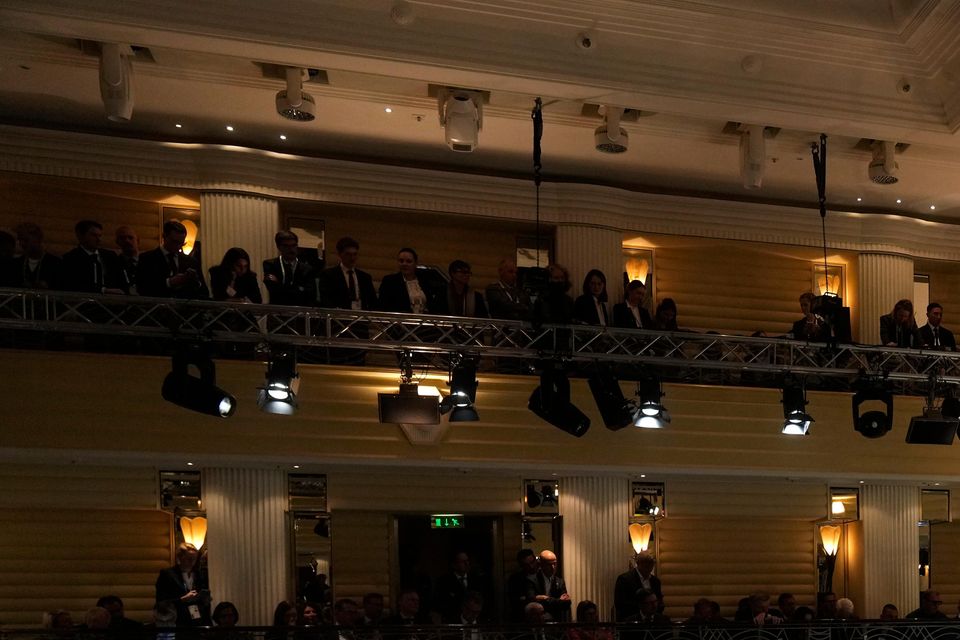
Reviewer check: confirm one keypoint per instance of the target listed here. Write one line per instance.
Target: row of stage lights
(417, 404)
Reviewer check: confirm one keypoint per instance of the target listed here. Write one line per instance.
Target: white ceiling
(832, 66)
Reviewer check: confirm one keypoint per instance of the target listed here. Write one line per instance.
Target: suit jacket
(45, 276)
(554, 587)
(947, 341)
(479, 307)
(79, 271)
(394, 296)
(245, 286)
(301, 291)
(623, 318)
(170, 588)
(803, 330)
(625, 593)
(509, 303)
(520, 592)
(448, 594)
(585, 311)
(333, 292)
(153, 271)
(905, 338)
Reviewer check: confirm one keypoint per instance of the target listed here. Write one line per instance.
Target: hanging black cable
(537, 116)
(820, 169)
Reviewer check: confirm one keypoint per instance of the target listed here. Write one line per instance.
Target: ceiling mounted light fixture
(461, 115)
(197, 393)
(413, 404)
(610, 137)
(116, 81)
(752, 156)
(874, 423)
(796, 420)
(551, 402)
(938, 424)
(279, 393)
(883, 168)
(463, 391)
(651, 413)
(617, 412)
(293, 103)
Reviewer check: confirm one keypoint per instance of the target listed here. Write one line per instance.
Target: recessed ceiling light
(229, 127)
(899, 201)
(178, 126)
(189, 464)
(283, 137)
(296, 466)
(388, 110)
(643, 475)
(862, 482)
(859, 199)
(932, 207)
(936, 484)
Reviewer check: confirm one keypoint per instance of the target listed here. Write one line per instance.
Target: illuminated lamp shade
(640, 536)
(637, 269)
(192, 231)
(837, 508)
(828, 285)
(830, 535)
(194, 530)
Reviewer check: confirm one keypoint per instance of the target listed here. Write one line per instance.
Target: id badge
(194, 612)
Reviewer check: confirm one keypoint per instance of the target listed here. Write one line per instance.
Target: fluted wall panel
(596, 547)
(884, 279)
(238, 220)
(891, 547)
(248, 539)
(583, 247)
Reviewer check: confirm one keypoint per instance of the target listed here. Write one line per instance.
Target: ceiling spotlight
(293, 103)
(859, 199)
(610, 137)
(933, 207)
(463, 392)
(278, 395)
(116, 81)
(283, 137)
(899, 201)
(617, 412)
(178, 126)
(874, 423)
(229, 127)
(883, 167)
(651, 413)
(413, 404)
(197, 393)
(938, 424)
(752, 156)
(461, 114)
(388, 110)
(551, 402)
(796, 421)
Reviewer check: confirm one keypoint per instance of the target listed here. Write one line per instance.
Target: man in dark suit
(344, 286)
(35, 268)
(628, 584)
(646, 616)
(289, 280)
(452, 587)
(934, 335)
(167, 272)
(408, 611)
(86, 268)
(523, 587)
(504, 298)
(555, 599)
(631, 314)
(129, 244)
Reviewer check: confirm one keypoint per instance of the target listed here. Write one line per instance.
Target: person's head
(930, 601)
(759, 603)
(127, 241)
(285, 615)
(373, 605)
(60, 620)
(346, 612)
(308, 614)
(647, 601)
(97, 619)
(186, 556)
(113, 604)
(806, 302)
(236, 260)
(407, 260)
(89, 233)
(826, 604)
(348, 250)
(507, 270)
(8, 245)
(30, 239)
(587, 612)
(287, 244)
(225, 614)
(636, 291)
(548, 563)
(645, 562)
(787, 604)
(889, 612)
(903, 312)
(702, 609)
(460, 273)
(460, 563)
(667, 313)
(934, 314)
(527, 560)
(408, 603)
(595, 284)
(472, 606)
(558, 277)
(844, 608)
(533, 614)
(174, 236)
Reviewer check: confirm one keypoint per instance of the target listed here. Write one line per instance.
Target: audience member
(471, 611)
(60, 622)
(665, 318)
(647, 605)
(308, 614)
(167, 272)
(184, 586)
(289, 280)
(786, 607)
(129, 245)
(461, 299)
(588, 618)
(372, 609)
(453, 586)
(344, 286)
(233, 280)
(554, 596)
(535, 618)
(86, 268)
(591, 306)
(504, 298)
(225, 615)
(898, 328)
(826, 605)
(934, 335)
(96, 621)
(631, 314)
(553, 305)
(346, 614)
(118, 621)
(760, 615)
(628, 583)
(929, 607)
(34, 268)
(408, 610)
(889, 612)
(845, 609)
(284, 620)
(810, 327)
(702, 613)
(410, 290)
(523, 585)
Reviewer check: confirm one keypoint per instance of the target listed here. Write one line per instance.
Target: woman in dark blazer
(410, 290)
(184, 587)
(591, 307)
(233, 280)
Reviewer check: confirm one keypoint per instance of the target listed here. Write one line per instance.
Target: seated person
(591, 306)
(631, 314)
(587, 621)
(665, 318)
(461, 299)
(233, 280)
(898, 328)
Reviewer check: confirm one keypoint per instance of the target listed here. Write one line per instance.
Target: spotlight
(412, 405)
(610, 137)
(883, 168)
(651, 414)
(617, 412)
(875, 423)
(796, 421)
(461, 114)
(279, 393)
(200, 394)
(551, 402)
(116, 86)
(293, 103)
(463, 392)
(933, 427)
(752, 156)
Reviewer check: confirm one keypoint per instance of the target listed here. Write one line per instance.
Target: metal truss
(709, 358)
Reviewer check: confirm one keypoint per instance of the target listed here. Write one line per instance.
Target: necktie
(353, 289)
(288, 273)
(172, 260)
(936, 337)
(97, 271)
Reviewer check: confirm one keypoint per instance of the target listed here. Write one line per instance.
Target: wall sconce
(640, 536)
(194, 530)
(830, 536)
(831, 282)
(830, 542)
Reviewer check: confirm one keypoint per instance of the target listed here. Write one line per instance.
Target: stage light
(796, 421)
(461, 114)
(413, 404)
(610, 137)
(279, 393)
(752, 156)
(293, 103)
(116, 83)
(883, 168)
(463, 392)
(651, 414)
(551, 402)
(200, 394)
(874, 423)
(933, 427)
(617, 412)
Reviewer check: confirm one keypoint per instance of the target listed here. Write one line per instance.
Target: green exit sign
(446, 521)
